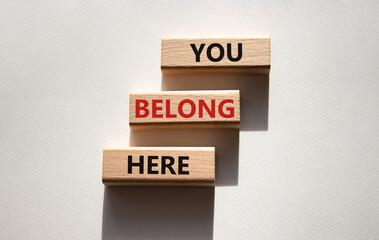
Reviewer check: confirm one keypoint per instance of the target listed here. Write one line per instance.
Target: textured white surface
(66, 68)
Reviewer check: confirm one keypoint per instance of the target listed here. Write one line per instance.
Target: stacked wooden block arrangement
(186, 166)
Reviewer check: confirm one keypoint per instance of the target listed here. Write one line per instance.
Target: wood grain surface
(239, 54)
(159, 166)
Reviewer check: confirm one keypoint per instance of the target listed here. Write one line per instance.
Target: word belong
(172, 109)
(186, 108)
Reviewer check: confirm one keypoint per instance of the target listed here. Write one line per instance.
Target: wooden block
(244, 55)
(159, 166)
(174, 109)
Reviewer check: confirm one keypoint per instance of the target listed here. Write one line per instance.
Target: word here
(163, 166)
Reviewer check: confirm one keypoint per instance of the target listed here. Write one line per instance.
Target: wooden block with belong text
(239, 54)
(174, 109)
(159, 166)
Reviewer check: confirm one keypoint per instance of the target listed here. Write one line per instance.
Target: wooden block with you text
(241, 55)
(159, 166)
(211, 109)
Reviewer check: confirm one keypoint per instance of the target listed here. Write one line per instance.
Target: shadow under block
(159, 166)
(185, 109)
(216, 55)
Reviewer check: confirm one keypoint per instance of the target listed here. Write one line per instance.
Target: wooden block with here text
(174, 109)
(213, 55)
(159, 166)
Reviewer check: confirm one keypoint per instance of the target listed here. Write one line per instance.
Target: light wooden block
(242, 54)
(162, 166)
(175, 109)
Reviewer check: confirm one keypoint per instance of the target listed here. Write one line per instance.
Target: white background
(304, 165)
